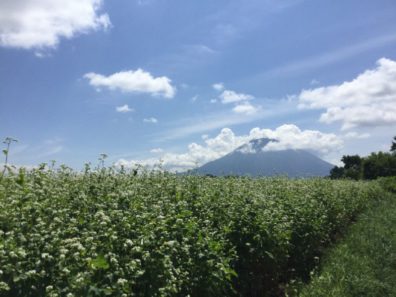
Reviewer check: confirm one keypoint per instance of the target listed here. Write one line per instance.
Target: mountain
(251, 160)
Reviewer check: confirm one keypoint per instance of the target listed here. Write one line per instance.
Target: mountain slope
(251, 160)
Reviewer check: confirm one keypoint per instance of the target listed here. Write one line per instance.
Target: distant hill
(251, 160)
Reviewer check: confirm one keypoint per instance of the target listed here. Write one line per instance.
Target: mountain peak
(254, 146)
(251, 159)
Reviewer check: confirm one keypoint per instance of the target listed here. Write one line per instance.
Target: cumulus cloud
(229, 96)
(150, 120)
(245, 108)
(196, 154)
(292, 137)
(124, 108)
(355, 135)
(138, 81)
(156, 150)
(239, 100)
(285, 137)
(39, 24)
(218, 87)
(367, 100)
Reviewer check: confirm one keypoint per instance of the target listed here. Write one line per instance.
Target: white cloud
(286, 136)
(229, 96)
(245, 108)
(291, 137)
(39, 24)
(138, 81)
(240, 100)
(124, 108)
(218, 87)
(314, 82)
(150, 120)
(368, 100)
(196, 154)
(156, 151)
(355, 135)
(195, 98)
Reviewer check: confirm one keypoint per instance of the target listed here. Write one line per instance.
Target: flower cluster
(108, 233)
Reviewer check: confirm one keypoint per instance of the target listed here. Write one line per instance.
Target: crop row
(108, 233)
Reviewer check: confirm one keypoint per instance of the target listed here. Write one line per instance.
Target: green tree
(353, 166)
(337, 172)
(378, 165)
(393, 146)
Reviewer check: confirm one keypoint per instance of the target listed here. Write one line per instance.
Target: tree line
(379, 164)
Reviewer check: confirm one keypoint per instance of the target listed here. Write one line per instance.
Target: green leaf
(5, 152)
(99, 263)
(269, 255)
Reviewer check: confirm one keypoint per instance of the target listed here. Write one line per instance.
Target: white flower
(113, 260)
(31, 272)
(4, 286)
(45, 255)
(121, 281)
(79, 280)
(170, 243)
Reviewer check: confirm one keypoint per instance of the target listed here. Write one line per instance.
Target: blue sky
(187, 81)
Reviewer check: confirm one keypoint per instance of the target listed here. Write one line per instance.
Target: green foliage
(378, 165)
(337, 172)
(352, 169)
(116, 233)
(388, 183)
(363, 264)
(352, 166)
(393, 146)
(352, 162)
(371, 167)
(99, 262)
